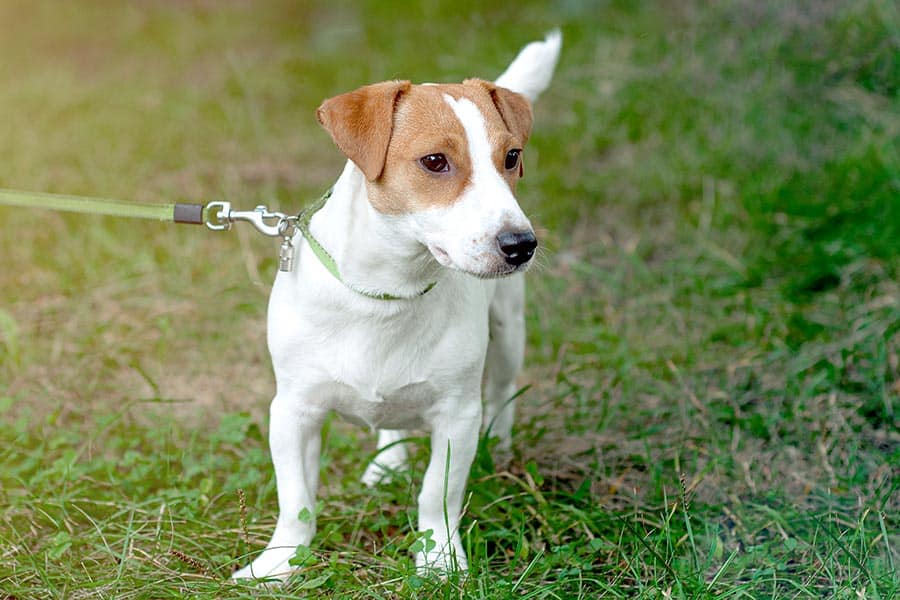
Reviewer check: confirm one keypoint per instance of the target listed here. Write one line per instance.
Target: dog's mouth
(495, 271)
(501, 272)
(442, 256)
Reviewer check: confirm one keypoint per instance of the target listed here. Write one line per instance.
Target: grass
(714, 330)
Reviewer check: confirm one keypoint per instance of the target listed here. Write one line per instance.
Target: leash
(217, 216)
(176, 213)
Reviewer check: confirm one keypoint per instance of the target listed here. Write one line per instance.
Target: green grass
(714, 327)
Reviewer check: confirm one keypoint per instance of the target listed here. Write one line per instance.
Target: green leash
(217, 216)
(173, 213)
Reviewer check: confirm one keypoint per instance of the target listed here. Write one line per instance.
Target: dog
(406, 300)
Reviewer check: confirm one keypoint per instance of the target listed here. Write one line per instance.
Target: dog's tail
(530, 73)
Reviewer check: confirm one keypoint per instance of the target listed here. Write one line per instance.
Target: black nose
(517, 247)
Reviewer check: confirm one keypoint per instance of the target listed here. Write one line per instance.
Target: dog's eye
(512, 159)
(436, 163)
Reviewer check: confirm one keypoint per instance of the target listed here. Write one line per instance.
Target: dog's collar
(302, 223)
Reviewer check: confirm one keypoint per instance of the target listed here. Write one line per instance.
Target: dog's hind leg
(505, 356)
(391, 457)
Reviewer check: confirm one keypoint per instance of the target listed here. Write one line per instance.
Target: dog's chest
(401, 408)
(388, 369)
(392, 381)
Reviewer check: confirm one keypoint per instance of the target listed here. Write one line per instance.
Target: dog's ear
(514, 109)
(360, 123)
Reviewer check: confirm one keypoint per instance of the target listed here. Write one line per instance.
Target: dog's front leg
(295, 440)
(454, 440)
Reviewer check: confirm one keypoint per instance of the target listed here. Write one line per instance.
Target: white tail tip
(531, 71)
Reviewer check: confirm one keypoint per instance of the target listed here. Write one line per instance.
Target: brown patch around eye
(424, 124)
(425, 128)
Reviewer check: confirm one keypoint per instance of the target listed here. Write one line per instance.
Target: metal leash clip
(286, 229)
(220, 217)
(265, 221)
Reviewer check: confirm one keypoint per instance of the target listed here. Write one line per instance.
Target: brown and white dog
(424, 301)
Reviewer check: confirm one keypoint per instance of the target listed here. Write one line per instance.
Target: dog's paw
(377, 472)
(384, 468)
(273, 565)
(442, 559)
(374, 474)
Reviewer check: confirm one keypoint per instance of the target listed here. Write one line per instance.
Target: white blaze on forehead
(491, 193)
(476, 133)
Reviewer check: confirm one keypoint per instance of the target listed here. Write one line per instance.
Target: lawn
(711, 404)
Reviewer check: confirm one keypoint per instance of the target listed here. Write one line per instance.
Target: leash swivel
(220, 217)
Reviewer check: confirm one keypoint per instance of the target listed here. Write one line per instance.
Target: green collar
(302, 223)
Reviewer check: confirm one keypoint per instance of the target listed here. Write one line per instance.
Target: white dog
(394, 314)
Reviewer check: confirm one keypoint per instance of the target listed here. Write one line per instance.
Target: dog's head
(445, 158)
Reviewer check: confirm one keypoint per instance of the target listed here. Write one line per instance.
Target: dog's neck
(374, 252)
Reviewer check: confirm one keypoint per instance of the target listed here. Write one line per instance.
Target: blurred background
(717, 192)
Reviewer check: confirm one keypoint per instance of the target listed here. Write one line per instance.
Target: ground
(710, 406)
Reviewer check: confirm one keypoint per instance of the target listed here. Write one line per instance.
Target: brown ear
(360, 123)
(514, 109)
